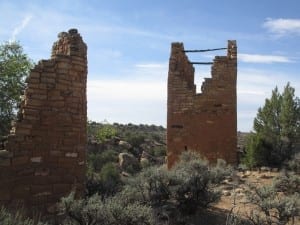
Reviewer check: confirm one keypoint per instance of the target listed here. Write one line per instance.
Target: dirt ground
(234, 190)
(233, 197)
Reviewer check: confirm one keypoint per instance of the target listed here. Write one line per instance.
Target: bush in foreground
(294, 163)
(272, 208)
(106, 183)
(276, 204)
(112, 211)
(188, 186)
(17, 218)
(171, 195)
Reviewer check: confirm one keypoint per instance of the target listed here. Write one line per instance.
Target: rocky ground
(233, 189)
(234, 199)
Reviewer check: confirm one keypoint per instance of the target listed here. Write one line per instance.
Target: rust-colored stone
(203, 122)
(61, 188)
(45, 145)
(5, 194)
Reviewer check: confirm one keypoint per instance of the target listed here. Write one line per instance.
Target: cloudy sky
(129, 47)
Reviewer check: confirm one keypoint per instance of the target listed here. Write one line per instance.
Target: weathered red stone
(203, 122)
(43, 145)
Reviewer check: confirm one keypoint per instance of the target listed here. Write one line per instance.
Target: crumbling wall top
(203, 122)
(45, 152)
(69, 43)
(232, 49)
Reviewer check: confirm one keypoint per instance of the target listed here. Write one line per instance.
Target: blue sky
(129, 47)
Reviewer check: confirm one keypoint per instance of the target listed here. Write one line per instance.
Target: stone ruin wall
(204, 122)
(45, 153)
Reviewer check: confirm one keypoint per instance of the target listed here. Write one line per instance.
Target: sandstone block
(5, 154)
(67, 163)
(63, 65)
(20, 191)
(25, 171)
(21, 160)
(56, 153)
(35, 75)
(5, 194)
(42, 172)
(47, 142)
(38, 189)
(47, 80)
(37, 159)
(33, 80)
(49, 75)
(39, 96)
(61, 188)
(81, 163)
(71, 154)
(35, 102)
(5, 162)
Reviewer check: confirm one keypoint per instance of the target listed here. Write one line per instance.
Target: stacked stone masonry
(45, 153)
(204, 122)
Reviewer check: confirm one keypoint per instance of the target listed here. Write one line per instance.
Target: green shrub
(236, 219)
(93, 185)
(159, 151)
(196, 183)
(7, 218)
(220, 171)
(178, 192)
(110, 179)
(106, 132)
(145, 163)
(97, 160)
(105, 183)
(188, 186)
(272, 208)
(113, 211)
(294, 163)
(151, 186)
(83, 211)
(276, 129)
(110, 173)
(135, 139)
(156, 137)
(289, 183)
(256, 151)
(133, 168)
(129, 214)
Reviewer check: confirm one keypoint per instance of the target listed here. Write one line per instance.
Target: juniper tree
(276, 129)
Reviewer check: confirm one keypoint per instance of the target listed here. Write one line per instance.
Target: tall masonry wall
(45, 154)
(204, 122)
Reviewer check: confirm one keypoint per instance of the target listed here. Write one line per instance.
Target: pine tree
(276, 130)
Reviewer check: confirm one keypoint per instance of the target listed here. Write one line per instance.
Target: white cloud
(138, 96)
(127, 101)
(282, 26)
(142, 97)
(124, 90)
(253, 87)
(20, 27)
(152, 65)
(256, 58)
